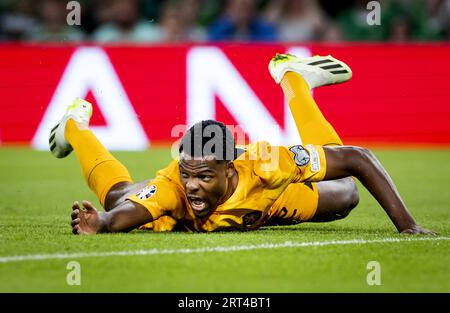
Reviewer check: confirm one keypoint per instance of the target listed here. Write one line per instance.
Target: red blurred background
(399, 94)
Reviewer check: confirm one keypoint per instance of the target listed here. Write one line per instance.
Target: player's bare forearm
(346, 161)
(125, 217)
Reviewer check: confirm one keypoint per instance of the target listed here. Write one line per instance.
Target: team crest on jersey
(147, 192)
(301, 155)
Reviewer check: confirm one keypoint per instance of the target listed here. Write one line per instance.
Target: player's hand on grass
(85, 221)
(417, 230)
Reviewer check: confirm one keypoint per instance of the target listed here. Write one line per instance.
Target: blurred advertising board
(145, 95)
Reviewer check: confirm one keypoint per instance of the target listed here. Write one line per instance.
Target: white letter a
(90, 69)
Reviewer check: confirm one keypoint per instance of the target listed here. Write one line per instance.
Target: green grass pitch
(37, 191)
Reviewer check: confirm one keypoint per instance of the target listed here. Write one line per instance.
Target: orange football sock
(311, 124)
(100, 169)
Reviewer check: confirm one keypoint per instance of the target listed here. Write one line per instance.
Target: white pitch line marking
(286, 244)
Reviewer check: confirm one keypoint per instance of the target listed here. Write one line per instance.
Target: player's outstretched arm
(346, 161)
(125, 217)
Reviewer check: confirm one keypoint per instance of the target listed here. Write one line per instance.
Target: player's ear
(230, 169)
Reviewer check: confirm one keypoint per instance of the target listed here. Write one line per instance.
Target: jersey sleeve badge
(301, 155)
(147, 192)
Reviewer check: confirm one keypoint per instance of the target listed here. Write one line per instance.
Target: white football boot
(80, 111)
(316, 71)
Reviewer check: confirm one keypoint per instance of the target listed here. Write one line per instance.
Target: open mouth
(197, 204)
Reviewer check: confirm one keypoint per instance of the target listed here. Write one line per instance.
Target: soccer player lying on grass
(214, 186)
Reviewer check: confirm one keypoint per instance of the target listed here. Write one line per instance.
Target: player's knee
(115, 195)
(350, 199)
(353, 196)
